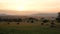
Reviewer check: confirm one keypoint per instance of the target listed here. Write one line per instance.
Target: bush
(58, 20)
(45, 21)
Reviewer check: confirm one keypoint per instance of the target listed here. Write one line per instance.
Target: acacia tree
(32, 20)
(58, 18)
(19, 20)
(4, 20)
(43, 20)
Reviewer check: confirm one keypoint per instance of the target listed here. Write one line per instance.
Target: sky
(44, 6)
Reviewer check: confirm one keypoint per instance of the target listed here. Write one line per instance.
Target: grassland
(27, 28)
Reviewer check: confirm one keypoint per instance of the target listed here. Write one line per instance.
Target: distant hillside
(46, 14)
(26, 13)
(4, 15)
(13, 12)
(35, 15)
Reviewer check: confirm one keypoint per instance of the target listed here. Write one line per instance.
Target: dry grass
(27, 28)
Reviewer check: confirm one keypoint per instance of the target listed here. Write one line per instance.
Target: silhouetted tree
(45, 21)
(32, 20)
(58, 18)
(42, 19)
(1, 20)
(19, 20)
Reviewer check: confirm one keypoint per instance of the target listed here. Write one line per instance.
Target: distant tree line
(32, 20)
(10, 20)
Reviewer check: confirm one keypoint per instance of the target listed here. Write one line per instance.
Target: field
(27, 28)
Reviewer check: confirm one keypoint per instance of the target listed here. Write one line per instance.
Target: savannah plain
(26, 27)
